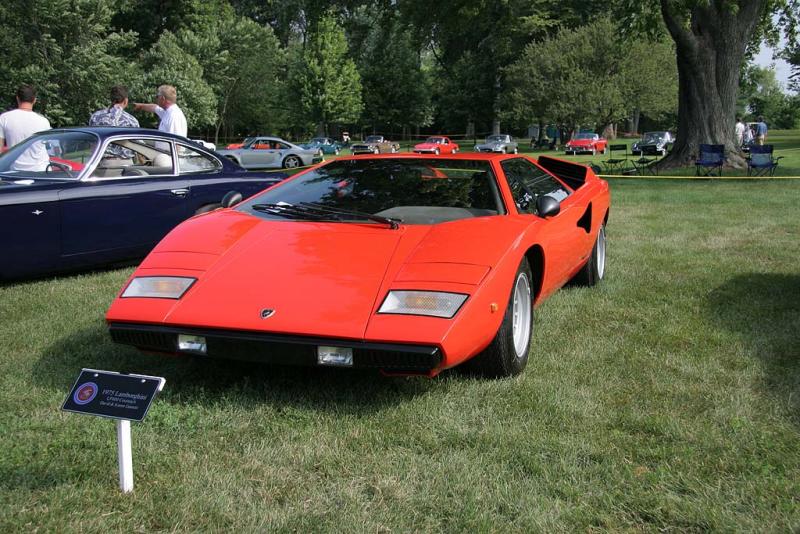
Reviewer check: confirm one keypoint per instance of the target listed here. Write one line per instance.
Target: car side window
(193, 161)
(527, 182)
(131, 157)
(281, 146)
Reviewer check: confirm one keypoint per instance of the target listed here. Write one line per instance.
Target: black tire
(376, 150)
(207, 208)
(292, 162)
(455, 151)
(516, 150)
(595, 268)
(504, 356)
(594, 151)
(436, 151)
(336, 152)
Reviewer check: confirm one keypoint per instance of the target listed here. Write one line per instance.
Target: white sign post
(125, 455)
(124, 397)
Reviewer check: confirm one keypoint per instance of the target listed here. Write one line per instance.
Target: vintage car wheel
(595, 268)
(594, 151)
(394, 150)
(455, 151)
(336, 151)
(436, 151)
(376, 150)
(291, 162)
(516, 150)
(507, 354)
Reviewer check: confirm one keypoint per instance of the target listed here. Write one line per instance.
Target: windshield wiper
(288, 210)
(320, 208)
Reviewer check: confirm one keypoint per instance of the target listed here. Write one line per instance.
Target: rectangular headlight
(159, 287)
(431, 303)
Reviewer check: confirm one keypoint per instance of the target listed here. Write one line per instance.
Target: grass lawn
(667, 398)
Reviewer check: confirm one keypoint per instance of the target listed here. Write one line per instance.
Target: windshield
(318, 141)
(409, 190)
(374, 139)
(586, 136)
(653, 137)
(435, 140)
(496, 139)
(52, 154)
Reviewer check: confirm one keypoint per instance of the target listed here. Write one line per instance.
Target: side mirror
(231, 198)
(547, 206)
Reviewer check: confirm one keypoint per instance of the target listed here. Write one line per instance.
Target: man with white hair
(172, 118)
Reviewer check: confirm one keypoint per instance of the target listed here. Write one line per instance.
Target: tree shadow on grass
(198, 381)
(764, 310)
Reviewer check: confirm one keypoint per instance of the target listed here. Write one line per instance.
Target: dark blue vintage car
(83, 197)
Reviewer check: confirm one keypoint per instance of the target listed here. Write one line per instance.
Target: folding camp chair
(647, 163)
(710, 160)
(616, 164)
(761, 162)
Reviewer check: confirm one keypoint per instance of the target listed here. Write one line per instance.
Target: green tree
(396, 92)
(167, 62)
(68, 51)
(324, 79)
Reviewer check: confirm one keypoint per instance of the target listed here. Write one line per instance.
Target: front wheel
(595, 268)
(376, 150)
(516, 150)
(436, 151)
(291, 162)
(455, 151)
(507, 354)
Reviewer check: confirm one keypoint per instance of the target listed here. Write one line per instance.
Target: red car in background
(436, 144)
(586, 143)
(407, 264)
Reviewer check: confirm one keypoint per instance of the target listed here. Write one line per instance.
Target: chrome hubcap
(601, 252)
(521, 318)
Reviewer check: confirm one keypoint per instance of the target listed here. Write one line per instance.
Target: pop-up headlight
(432, 303)
(159, 287)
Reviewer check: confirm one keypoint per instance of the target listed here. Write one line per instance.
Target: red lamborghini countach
(407, 264)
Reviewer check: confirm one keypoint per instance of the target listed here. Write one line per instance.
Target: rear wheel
(595, 268)
(507, 354)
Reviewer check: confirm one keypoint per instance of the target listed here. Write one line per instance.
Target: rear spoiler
(572, 174)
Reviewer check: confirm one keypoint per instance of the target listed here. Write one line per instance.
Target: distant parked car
(206, 144)
(503, 143)
(272, 153)
(660, 141)
(437, 144)
(586, 143)
(375, 144)
(325, 144)
(110, 195)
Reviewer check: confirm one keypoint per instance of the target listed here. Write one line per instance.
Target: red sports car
(404, 263)
(586, 143)
(437, 144)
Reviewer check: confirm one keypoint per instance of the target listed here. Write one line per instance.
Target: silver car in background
(271, 153)
(502, 143)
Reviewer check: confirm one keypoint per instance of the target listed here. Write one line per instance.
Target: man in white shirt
(172, 118)
(739, 130)
(19, 124)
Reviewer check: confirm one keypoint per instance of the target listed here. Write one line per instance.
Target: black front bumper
(279, 349)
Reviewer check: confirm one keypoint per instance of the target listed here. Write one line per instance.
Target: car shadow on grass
(764, 310)
(196, 380)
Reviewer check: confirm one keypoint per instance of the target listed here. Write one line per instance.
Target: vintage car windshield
(319, 141)
(653, 137)
(51, 155)
(374, 139)
(410, 190)
(586, 136)
(496, 139)
(435, 140)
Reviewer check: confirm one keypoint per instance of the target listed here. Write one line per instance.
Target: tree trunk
(635, 120)
(710, 41)
(496, 127)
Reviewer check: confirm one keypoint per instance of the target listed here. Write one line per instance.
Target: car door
(260, 153)
(117, 212)
(565, 239)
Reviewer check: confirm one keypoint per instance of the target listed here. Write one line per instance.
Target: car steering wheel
(58, 166)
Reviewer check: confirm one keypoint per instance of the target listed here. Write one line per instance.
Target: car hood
(581, 142)
(428, 146)
(321, 279)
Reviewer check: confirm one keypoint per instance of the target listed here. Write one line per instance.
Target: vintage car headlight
(431, 303)
(159, 287)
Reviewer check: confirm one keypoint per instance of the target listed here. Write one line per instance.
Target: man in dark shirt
(761, 131)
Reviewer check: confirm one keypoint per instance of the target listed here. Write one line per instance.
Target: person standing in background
(116, 114)
(739, 130)
(166, 107)
(761, 131)
(18, 124)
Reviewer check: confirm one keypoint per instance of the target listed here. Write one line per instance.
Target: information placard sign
(114, 395)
